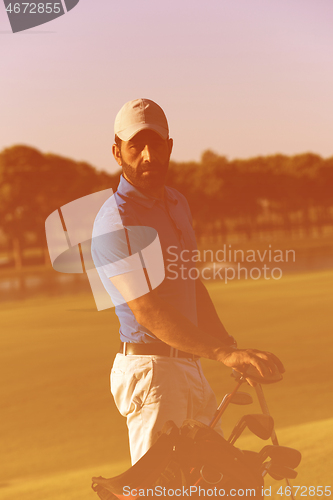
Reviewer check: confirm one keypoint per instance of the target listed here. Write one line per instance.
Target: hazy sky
(241, 77)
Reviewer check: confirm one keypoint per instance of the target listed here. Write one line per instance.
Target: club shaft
(233, 437)
(222, 407)
(265, 410)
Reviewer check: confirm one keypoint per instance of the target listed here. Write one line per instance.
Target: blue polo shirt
(171, 219)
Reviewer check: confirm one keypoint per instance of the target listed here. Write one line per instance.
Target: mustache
(157, 166)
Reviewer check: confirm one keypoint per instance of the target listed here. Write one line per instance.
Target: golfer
(157, 376)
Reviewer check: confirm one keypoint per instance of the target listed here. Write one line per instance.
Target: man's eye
(140, 146)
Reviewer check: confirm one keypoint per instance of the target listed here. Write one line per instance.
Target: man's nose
(146, 153)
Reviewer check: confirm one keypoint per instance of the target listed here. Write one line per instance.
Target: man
(157, 375)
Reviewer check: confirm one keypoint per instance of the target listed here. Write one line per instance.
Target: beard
(147, 176)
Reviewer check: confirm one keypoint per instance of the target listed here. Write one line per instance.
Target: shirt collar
(125, 189)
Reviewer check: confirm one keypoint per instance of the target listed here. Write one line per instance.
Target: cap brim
(130, 132)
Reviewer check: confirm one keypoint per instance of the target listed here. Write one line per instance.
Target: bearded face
(146, 176)
(145, 160)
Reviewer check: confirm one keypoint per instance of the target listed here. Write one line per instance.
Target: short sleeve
(117, 248)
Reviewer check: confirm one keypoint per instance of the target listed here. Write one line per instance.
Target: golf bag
(189, 459)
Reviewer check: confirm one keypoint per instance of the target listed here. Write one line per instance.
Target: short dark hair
(118, 141)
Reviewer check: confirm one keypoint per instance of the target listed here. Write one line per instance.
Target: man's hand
(266, 363)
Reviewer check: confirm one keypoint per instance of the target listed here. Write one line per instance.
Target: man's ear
(116, 153)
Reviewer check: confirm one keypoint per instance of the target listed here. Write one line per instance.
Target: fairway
(58, 420)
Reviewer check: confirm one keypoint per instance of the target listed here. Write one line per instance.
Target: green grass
(59, 424)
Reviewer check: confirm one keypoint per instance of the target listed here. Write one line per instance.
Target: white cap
(140, 114)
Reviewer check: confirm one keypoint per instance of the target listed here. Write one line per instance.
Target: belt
(154, 349)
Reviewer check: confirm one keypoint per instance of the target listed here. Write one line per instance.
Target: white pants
(150, 390)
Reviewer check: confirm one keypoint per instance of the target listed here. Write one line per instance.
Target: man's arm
(208, 320)
(173, 328)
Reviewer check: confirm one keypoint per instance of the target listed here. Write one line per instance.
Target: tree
(33, 185)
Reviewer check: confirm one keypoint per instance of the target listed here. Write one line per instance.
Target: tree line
(263, 193)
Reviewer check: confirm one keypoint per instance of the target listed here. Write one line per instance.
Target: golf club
(239, 398)
(260, 425)
(224, 403)
(252, 373)
(278, 471)
(265, 410)
(281, 455)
